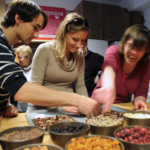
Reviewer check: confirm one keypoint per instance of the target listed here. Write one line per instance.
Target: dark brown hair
(26, 9)
(140, 35)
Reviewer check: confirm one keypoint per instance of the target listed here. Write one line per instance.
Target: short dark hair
(140, 35)
(26, 9)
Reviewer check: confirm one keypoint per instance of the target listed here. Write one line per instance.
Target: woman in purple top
(126, 70)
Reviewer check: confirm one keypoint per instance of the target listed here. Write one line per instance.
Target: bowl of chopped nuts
(94, 142)
(62, 132)
(134, 137)
(137, 118)
(18, 136)
(105, 124)
(39, 146)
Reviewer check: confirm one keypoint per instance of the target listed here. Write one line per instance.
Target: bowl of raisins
(62, 132)
(134, 137)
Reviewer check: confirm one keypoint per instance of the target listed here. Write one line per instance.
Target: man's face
(27, 31)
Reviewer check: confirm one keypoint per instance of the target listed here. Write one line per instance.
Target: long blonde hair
(60, 40)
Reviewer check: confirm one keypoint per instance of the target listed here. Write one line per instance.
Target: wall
(136, 5)
(146, 15)
(2, 8)
(67, 4)
(98, 46)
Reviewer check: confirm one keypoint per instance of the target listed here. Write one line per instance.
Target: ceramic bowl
(104, 130)
(102, 136)
(6, 145)
(137, 121)
(129, 145)
(61, 139)
(30, 146)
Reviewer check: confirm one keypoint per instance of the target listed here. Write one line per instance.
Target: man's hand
(10, 111)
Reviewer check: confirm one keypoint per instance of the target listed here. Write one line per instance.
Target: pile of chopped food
(21, 135)
(37, 148)
(102, 120)
(93, 143)
(137, 115)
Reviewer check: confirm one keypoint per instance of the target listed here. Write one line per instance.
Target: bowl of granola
(105, 124)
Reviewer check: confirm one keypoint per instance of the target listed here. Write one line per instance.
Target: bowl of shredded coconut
(137, 118)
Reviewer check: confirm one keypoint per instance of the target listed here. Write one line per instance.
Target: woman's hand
(10, 111)
(105, 96)
(140, 103)
(70, 109)
(107, 93)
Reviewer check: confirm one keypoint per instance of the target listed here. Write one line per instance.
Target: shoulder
(3, 41)
(45, 45)
(96, 55)
(44, 48)
(113, 49)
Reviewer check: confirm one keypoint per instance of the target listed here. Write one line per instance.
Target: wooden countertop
(21, 120)
(129, 105)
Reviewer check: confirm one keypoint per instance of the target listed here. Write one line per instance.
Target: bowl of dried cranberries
(62, 132)
(134, 137)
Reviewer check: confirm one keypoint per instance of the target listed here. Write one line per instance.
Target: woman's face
(74, 40)
(23, 61)
(133, 56)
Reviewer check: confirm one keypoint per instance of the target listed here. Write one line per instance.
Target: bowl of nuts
(19, 136)
(134, 137)
(105, 124)
(137, 118)
(39, 146)
(62, 132)
(94, 142)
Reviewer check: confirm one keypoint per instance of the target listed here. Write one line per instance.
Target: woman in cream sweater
(59, 63)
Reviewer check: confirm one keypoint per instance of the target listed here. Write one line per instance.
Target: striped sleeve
(11, 75)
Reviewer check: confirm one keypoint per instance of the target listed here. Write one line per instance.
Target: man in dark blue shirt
(93, 64)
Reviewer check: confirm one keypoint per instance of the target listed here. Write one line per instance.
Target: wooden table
(21, 120)
(129, 106)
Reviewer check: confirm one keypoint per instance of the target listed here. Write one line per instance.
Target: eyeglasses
(130, 46)
(79, 22)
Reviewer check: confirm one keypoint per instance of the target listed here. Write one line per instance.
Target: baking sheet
(53, 112)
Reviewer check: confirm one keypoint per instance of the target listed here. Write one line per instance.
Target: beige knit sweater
(49, 71)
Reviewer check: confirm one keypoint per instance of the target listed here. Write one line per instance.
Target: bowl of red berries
(134, 137)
